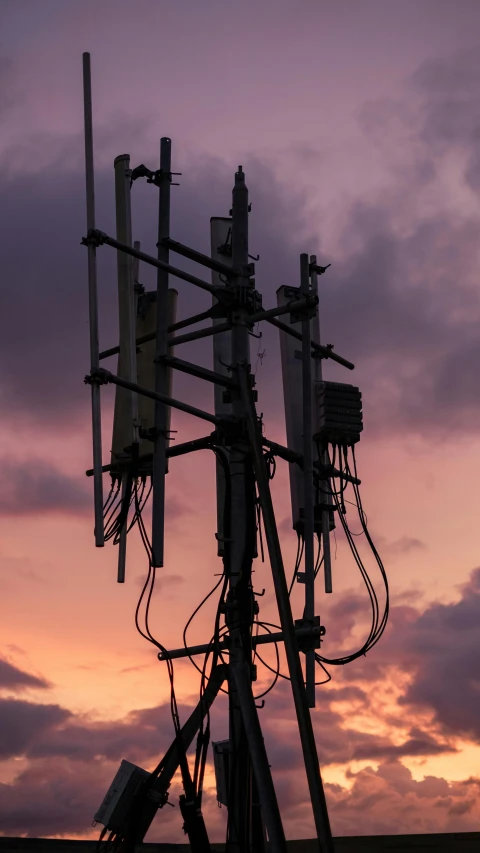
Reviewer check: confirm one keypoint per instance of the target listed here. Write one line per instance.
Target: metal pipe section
(295, 305)
(148, 259)
(176, 450)
(161, 350)
(307, 737)
(325, 516)
(202, 333)
(308, 510)
(173, 327)
(199, 258)
(324, 352)
(257, 640)
(125, 421)
(93, 305)
(107, 376)
(258, 754)
(242, 513)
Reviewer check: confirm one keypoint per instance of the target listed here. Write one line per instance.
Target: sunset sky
(357, 123)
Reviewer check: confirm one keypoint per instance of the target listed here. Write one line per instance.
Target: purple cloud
(34, 486)
(17, 679)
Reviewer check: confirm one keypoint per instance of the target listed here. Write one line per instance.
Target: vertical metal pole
(161, 372)
(93, 304)
(240, 560)
(307, 737)
(308, 512)
(258, 753)
(126, 402)
(122, 542)
(324, 496)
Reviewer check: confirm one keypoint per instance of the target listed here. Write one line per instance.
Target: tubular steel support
(261, 768)
(93, 304)
(308, 520)
(322, 352)
(126, 402)
(201, 333)
(105, 376)
(161, 350)
(307, 737)
(301, 633)
(325, 515)
(99, 237)
(199, 258)
(200, 372)
(241, 551)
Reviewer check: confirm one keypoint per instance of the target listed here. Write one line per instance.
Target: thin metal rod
(172, 451)
(324, 352)
(283, 452)
(199, 258)
(200, 372)
(125, 432)
(258, 753)
(308, 511)
(325, 515)
(107, 376)
(161, 350)
(202, 333)
(145, 339)
(148, 259)
(188, 731)
(190, 321)
(307, 737)
(290, 456)
(257, 640)
(122, 543)
(297, 305)
(93, 304)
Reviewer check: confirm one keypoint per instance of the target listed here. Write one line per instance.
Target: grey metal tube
(326, 498)
(308, 517)
(295, 305)
(126, 402)
(107, 376)
(93, 305)
(161, 350)
(240, 561)
(258, 640)
(307, 737)
(324, 352)
(201, 333)
(148, 259)
(258, 754)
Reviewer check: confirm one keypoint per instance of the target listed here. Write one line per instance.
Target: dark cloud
(22, 723)
(45, 326)
(17, 679)
(444, 642)
(437, 648)
(400, 301)
(392, 801)
(34, 486)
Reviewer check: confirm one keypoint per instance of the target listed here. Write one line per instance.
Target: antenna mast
(323, 423)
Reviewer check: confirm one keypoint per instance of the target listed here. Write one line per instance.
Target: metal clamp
(153, 177)
(318, 269)
(306, 641)
(94, 238)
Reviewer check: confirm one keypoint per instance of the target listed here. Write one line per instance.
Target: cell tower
(324, 421)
